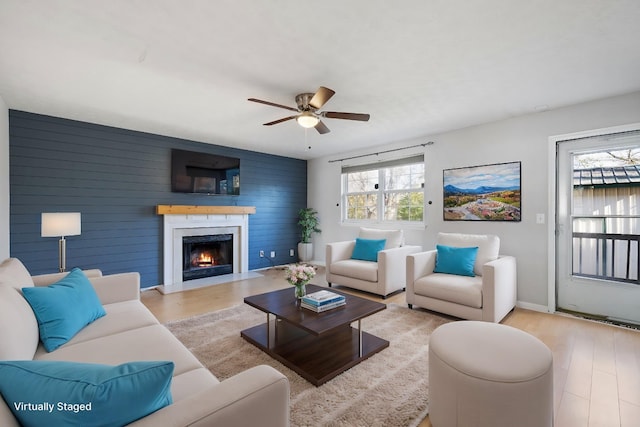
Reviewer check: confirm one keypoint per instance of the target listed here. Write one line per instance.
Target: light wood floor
(596, 366)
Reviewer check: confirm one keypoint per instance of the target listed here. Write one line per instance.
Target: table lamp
(61, 224)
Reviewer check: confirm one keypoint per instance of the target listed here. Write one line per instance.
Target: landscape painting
(482, 193)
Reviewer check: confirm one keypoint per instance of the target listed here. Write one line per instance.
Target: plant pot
(305, 251)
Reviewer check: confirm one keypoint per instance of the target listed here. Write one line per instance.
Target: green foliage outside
(411, 207)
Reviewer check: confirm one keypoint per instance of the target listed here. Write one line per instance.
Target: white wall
(524, 139)
(4, 180)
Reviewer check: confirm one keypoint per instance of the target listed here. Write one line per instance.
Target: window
(384, 191)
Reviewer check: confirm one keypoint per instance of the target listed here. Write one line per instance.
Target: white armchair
(383, 277)
(489, 295)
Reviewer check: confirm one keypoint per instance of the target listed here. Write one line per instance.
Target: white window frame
(380, 167)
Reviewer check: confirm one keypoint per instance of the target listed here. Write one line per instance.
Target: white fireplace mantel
(181, 221)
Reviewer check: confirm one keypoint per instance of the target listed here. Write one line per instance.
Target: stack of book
(322, 301)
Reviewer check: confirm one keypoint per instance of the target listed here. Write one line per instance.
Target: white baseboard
(533, 307)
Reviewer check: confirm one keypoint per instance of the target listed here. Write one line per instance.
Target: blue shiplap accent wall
(115, 178)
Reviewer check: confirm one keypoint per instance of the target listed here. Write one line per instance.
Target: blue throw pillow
(48, 393)
(367, 249)
(63, 308)
(452, 260)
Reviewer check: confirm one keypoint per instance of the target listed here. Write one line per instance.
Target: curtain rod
(382, 152)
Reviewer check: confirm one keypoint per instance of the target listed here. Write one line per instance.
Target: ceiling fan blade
(272, 104)
(347, 116)
(322, 128)
(322, 95)
(275, 122)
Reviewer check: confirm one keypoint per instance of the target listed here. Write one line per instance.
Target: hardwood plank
(559, 381)
(604, 410)
(204, 210)
(629, 414)
(573, 411)
(604, 355)
(628, 367)
(581, 368)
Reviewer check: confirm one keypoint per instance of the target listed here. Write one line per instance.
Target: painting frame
(490, 192)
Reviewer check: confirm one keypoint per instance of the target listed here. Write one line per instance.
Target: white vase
(305, 251)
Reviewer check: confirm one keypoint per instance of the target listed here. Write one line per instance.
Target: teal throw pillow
(52, 393)
(452, 260)
(63, 308)
(367, 249)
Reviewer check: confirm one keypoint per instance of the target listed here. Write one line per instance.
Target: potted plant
(308, 221)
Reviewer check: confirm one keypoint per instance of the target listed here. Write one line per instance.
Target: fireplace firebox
(206, 256)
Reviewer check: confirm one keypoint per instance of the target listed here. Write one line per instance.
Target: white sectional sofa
(129, 332)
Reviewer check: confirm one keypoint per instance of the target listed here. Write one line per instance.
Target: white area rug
(388, 389)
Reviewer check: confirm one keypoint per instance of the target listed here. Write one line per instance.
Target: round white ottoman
(487, 374)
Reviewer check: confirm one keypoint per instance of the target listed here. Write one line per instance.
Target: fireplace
(206, 256)
(190, 227)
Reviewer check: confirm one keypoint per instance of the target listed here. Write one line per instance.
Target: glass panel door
(598, 226)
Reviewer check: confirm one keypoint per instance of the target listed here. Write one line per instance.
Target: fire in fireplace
(206, 256)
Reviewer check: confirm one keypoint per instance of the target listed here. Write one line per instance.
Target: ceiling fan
(308, 115)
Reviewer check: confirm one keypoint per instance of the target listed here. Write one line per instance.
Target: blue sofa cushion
(63, 308)
(367, 249)
(54, 393)
(453, 260)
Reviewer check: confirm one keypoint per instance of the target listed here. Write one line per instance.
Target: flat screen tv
(203, 173)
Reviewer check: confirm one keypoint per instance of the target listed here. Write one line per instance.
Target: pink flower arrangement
(299, 274)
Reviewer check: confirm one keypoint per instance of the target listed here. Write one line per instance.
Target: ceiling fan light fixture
(307, 119)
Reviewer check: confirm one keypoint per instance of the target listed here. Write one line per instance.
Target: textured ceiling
(186, 68)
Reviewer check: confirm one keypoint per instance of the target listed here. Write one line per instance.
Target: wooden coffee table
(318, 346)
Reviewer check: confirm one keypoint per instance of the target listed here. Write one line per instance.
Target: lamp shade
(59, 224)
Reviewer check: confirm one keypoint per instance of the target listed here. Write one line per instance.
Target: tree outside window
(384, 192)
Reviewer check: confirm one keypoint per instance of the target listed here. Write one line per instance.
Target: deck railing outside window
(607, 247)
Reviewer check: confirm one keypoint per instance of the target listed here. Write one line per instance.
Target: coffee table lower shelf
(316, 358)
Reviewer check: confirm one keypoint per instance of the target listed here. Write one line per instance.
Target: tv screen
(203, 173)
